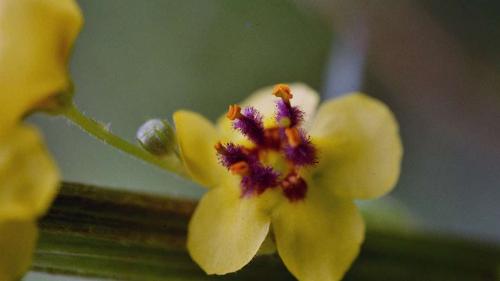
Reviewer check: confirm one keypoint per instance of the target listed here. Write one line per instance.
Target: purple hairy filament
(287, 139)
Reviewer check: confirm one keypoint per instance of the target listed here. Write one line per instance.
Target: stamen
(232, 154)
(234, 112)
(220, 148)
(286, 114)
(293, 178)
(293, 136)
(294, 187)
(273, 138)
(283, 91)
(285, 138)
(240, 168)
(299, 149)
(249, 123)
(259, 180)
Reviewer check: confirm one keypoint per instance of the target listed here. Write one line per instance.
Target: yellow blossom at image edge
(36, 37)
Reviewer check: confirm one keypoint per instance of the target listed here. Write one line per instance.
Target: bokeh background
(435, 63)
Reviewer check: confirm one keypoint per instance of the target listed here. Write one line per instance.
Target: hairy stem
(98, 232)
(100, 132)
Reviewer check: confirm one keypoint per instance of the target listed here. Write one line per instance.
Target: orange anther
(234, 112)
(293, 136)
(240, 168)
(220, 148)
(293, 178)
(283, 91)
(285, 184)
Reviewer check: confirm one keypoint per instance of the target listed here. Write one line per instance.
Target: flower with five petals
(284, 171)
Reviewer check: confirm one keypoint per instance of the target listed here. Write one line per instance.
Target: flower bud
(157, 136)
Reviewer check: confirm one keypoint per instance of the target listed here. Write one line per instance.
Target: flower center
(277, 153)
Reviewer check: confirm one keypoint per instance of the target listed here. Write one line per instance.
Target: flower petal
(318, 239)
(264, 101)
(35, 40)
(196, 137)
(17, 241)
(226, 230)
(29, 179)
(359, 147)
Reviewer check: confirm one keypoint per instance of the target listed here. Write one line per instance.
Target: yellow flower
(28, 183)
(293, 178)
(36, 37)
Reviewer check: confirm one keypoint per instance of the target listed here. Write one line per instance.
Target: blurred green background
(137, 60)
(436, 64)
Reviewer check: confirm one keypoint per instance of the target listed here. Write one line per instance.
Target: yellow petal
(28, 176)
(226, 231)
(35, 40)
(17, 241)
(264, 101)
(196, 137)
(318, 239)
(359, 147)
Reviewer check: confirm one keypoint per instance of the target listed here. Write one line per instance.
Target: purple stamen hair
(293, 113)
(287, 138)
(251, 125)
(233, 154)
(295, 190)
(302, 155)
(259, 179)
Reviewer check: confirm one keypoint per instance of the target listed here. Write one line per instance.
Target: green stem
(97, 232)
(96, 129)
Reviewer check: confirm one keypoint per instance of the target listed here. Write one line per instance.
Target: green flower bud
(157, 136)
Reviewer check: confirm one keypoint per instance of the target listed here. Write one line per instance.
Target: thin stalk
(120, 235)
(100, 132)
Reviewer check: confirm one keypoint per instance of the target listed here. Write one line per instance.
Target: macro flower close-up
(291, 174)
(249, 140)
